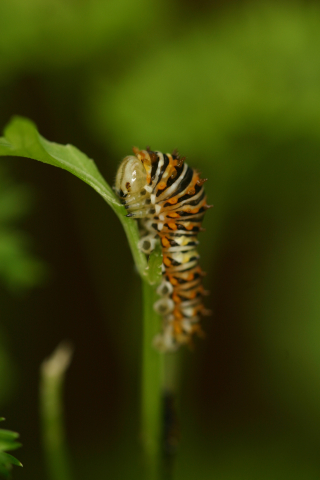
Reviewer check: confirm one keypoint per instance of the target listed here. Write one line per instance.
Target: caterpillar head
(131, 177)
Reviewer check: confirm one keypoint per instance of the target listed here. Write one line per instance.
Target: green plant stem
(51, 406)
(152, 375)
(131, 229)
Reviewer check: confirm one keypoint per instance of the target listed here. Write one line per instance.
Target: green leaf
(11, 459)
(7, 442)
(8, 435)
(9, 445)
(22, 139)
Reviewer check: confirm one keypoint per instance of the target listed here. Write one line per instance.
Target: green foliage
(76, 30)
(8, 442)
(255, 68)
(19, 269)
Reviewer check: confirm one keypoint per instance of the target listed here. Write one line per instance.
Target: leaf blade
(10, 459)
(22, 139)
(8, 442)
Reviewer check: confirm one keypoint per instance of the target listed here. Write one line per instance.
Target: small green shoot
(8, 442)
(53, 371)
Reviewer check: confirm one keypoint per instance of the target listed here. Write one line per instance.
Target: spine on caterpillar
(167, 197)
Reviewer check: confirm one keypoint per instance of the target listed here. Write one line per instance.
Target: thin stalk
(51, 406)
(152, 374)
(131, 229)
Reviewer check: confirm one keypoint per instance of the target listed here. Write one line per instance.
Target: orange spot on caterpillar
(165, 242)
(172, 226)
(191, 191)
(177, 328)
(162, 185)
(176, 298)
(189, 226)
(173, 281)
(166, 261)
(177, 314)
(173, 200)
(174, 215)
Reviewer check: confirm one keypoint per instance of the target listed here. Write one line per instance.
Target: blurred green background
(235, 86)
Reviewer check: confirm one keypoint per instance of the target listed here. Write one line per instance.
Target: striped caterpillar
(168, 199)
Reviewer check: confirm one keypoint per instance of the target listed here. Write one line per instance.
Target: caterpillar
(167, 197)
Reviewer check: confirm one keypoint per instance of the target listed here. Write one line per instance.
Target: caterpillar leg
(147, 243)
